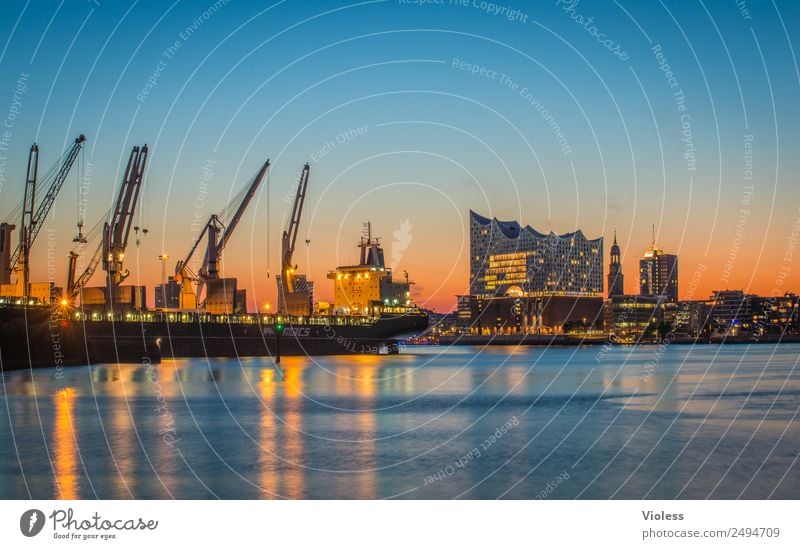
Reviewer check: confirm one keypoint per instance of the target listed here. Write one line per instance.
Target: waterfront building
(523, 281)
(688, 318)
(369, 287)
(732, 313)
(508, 259)
(776, 315)
(658, 273)
(168, 295)
(632, 317)
(616, 284)
(463, 312)
(440, 324)
(551, 315)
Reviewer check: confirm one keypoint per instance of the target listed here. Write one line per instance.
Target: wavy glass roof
(512, 229)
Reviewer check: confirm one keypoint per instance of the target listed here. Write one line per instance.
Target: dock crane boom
(295, 292)
(43, 209)
(215, 252)
(111, 250)
(33, 215)
(215, 244)
(26, 237)
(74, 285)
(290, 234)
(115, 233)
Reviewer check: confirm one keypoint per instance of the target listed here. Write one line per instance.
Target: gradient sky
(254, 81)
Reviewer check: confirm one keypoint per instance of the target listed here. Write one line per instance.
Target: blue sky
(254, 80)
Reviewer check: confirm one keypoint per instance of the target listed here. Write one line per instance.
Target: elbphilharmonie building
(510, 260)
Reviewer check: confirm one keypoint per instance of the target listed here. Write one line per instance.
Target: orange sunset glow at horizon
(435, 255)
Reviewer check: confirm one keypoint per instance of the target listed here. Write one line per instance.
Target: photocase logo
(31, 522)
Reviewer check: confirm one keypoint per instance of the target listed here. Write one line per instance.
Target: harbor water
(677, 421)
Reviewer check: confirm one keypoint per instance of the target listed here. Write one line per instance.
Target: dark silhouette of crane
(110, 251)
(117, 231)
(74, 285)
(33, 214)
(291, 299)
(215, 244)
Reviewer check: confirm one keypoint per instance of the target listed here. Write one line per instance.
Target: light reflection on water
(268, 456)
(65, 450)
(707, 421)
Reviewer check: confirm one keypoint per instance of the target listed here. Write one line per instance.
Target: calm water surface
(464, 422)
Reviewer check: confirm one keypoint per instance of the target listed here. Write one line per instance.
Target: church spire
(615, 277)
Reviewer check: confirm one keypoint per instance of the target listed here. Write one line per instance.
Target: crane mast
(74, 285)
(115, 233)
(292, 300)
(33, 215)
(215, 244)
(26, 227)
(49, 198)
(214, 252)
(71, 267)
(184, 275)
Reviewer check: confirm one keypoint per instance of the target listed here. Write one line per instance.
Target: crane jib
(37, 216)
(290, 235)
(215, 243)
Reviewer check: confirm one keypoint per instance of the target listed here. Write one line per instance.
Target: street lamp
(163, 258)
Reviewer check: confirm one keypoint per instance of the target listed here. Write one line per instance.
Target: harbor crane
(215, 244)
(115, 233)
(111, 249)
(74, 285)
(33, 214)
(295, 293)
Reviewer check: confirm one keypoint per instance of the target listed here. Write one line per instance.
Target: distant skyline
(560, 115)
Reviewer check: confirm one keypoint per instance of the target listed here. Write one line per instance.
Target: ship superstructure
(369, 288)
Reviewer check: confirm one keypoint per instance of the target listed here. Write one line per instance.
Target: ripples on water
(702, 422)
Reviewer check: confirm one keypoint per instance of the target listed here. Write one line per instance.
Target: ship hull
(256, 339)
(36, 338)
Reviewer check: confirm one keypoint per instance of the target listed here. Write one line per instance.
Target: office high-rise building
(658, 273)
(616, 279)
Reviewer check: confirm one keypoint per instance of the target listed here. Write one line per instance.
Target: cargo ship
(42, 336)
(198, 312)
(370, 309)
